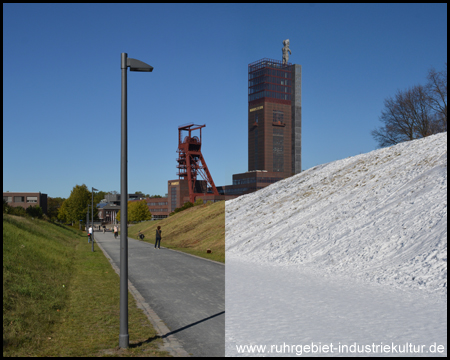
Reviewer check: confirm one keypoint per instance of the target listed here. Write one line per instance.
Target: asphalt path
(185, 291)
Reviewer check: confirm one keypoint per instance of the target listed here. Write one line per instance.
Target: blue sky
(62, 83)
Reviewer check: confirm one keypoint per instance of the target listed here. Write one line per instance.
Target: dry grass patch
(194, 231)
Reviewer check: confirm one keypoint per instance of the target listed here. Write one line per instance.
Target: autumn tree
(137, 211)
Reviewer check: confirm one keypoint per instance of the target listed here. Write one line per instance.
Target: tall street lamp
(87, 222)
(134, 65)
(92, 217)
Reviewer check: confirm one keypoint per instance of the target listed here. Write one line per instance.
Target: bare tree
(437, 96)
(407, 116)
(415, 113)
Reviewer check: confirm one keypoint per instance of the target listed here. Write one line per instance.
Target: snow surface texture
(269, 306)
(380, 216)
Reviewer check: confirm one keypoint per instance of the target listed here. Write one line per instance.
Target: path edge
(171, 344)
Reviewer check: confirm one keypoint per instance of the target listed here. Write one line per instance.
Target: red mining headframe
(192, 163)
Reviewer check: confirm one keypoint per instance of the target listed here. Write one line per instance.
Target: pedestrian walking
(90, 233)
(116, 232)
(104, 229)
(158, 237)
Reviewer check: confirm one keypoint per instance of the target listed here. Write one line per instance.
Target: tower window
(278, 149)
(278, 116)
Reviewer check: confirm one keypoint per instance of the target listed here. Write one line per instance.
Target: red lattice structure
(191, 162)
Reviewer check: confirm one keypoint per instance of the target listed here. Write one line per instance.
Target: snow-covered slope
(380, 216)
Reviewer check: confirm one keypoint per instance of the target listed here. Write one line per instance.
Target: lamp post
(87, 222)
(134, 65)
(92, 212)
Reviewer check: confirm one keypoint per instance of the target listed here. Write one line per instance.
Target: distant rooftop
(259, 64)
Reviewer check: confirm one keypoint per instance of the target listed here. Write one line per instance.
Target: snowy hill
(380, 216)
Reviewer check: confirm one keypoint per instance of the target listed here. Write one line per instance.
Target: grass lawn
(62, 299)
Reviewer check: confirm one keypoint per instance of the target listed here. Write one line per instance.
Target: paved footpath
(186, 292)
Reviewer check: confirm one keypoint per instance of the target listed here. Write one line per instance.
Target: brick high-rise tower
(274, 117)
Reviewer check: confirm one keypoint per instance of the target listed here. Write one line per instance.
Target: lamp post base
(124, 341)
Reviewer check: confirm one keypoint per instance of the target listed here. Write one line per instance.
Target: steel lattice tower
(192, 163)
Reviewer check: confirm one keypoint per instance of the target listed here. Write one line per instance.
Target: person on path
(158, 237)
(116, 231)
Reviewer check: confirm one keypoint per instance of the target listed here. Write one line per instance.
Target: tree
(75, 207)
(405, 117)
(63, 213)
(99, 196)
(53, 205)
(142, 194)
(137, 211)
(415, 113)
(437, 96)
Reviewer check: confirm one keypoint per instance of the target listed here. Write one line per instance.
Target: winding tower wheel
(192, 164)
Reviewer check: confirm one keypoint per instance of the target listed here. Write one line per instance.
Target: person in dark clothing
(158, 237)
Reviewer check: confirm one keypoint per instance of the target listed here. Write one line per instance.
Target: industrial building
(274, 126)
(274, 138)
(274, 117)
(194, 179)
(274, 141)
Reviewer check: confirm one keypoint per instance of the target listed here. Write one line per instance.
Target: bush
(186, 205)
(199, 201)
(35, 211)
(18, 211)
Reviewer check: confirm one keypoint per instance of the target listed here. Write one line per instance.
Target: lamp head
(137, 65)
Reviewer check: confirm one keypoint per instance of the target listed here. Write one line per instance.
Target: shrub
(186, 205)
(35, 211)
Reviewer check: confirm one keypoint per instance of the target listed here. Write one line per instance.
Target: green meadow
(62, 299)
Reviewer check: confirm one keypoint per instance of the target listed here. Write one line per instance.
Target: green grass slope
(37, 262)
(194, 231)
(62, 299)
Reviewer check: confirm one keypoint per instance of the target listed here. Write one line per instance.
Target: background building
(274, 117)
(248, 182)
(178, 193)
(274, 143)
(110, 206)
(158, 206)
(274, 126)
(26, 199)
